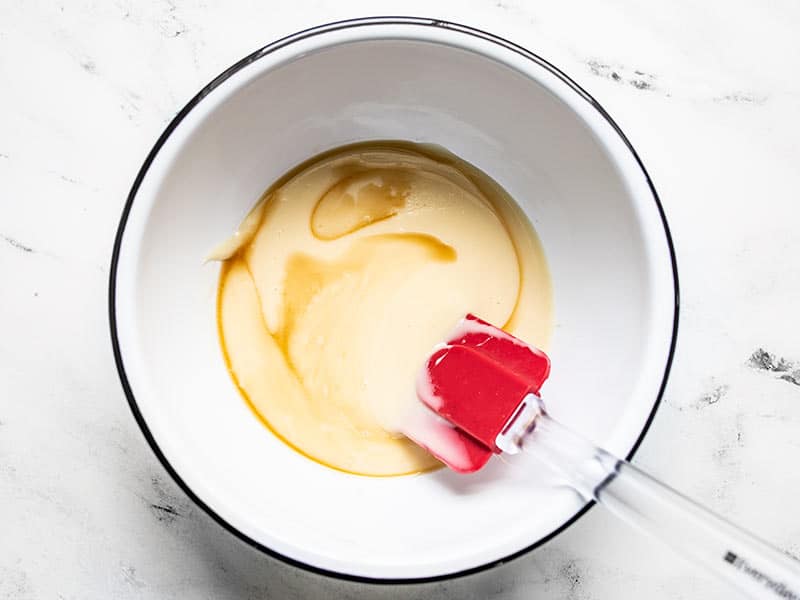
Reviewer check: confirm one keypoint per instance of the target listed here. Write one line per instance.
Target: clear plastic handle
(752, 566)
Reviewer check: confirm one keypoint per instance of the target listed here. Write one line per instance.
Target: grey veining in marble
(707, 92)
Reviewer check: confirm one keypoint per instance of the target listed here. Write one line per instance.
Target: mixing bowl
(492, 103)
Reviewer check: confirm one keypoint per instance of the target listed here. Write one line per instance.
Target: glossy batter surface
(346, 274)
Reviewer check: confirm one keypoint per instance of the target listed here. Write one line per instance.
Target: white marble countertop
(708, 94)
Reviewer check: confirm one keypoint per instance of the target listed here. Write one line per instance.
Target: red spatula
(483, 386)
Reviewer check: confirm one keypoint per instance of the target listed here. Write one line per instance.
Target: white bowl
(499, 107)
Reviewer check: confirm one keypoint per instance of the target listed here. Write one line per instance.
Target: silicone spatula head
(475, 383)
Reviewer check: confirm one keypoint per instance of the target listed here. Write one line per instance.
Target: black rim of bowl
(336, 26)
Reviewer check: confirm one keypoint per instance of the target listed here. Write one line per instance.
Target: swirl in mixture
(346, 274)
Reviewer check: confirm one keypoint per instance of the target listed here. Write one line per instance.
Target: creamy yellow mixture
(345, 275)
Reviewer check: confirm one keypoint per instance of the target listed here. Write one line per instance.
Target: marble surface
(709, 95)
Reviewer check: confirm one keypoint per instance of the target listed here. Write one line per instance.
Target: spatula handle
(752, 566)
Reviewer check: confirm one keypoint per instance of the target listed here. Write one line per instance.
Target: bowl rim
(207, 89)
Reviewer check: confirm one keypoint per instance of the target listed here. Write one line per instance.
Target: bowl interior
(542, 140)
